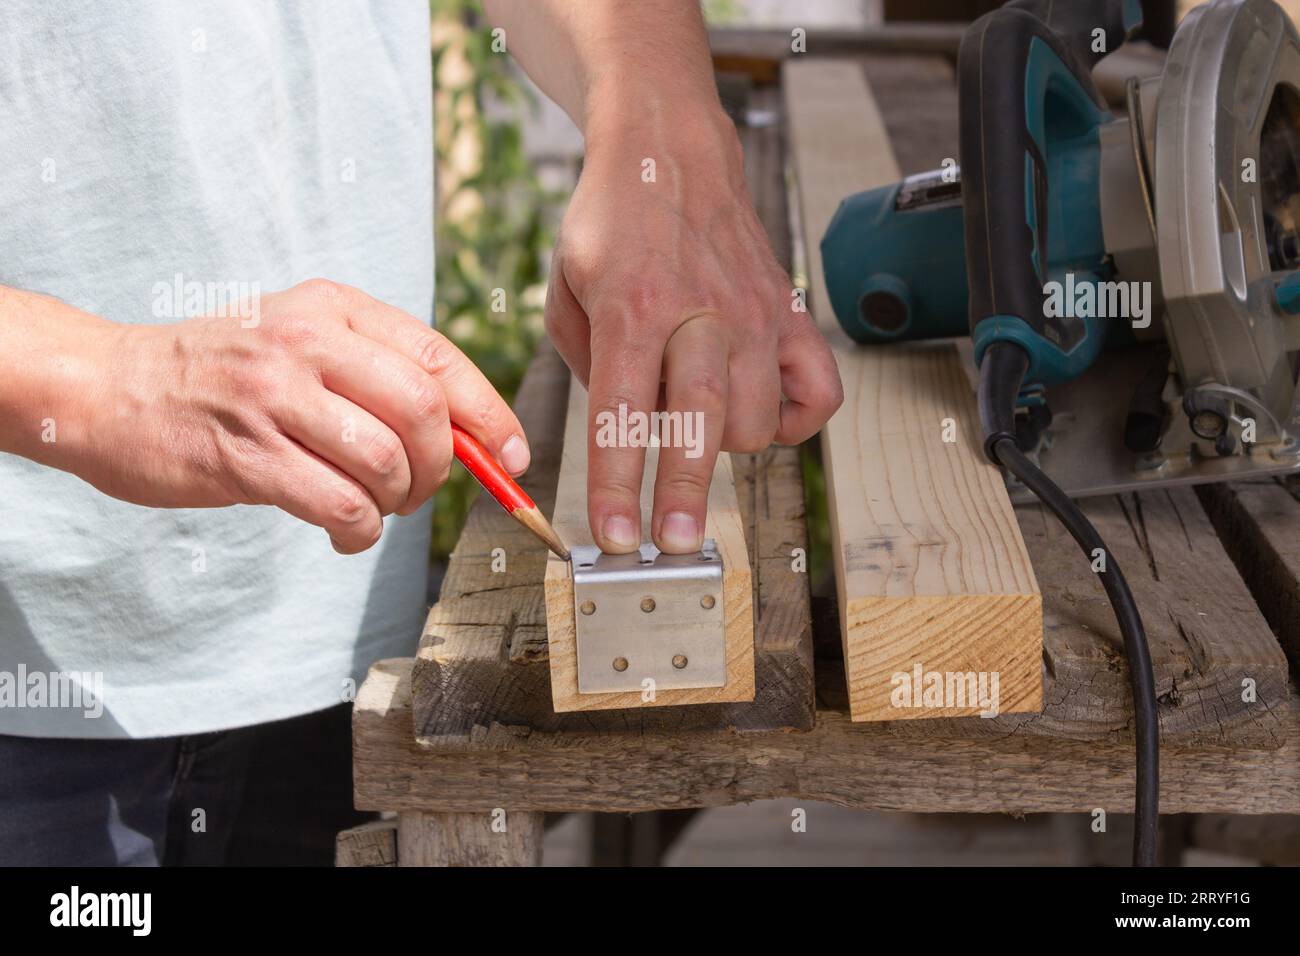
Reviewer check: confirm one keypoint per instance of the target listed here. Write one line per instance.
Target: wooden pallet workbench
(463, 744)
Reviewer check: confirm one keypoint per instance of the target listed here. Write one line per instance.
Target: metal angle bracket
(648, 616)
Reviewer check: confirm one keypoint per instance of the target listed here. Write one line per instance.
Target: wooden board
(491, 838)
(868, 766)
(1259, 522)
(723, 524)
(367, 845)
(930, 565)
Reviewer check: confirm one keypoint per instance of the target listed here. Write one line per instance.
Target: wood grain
(723, 524)
(489, 838)
(930, 565)
(371, 844)
(1259, 523)
(863, 765)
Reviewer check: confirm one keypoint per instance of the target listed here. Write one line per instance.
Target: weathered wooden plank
(1219, 672)
(929, 562)
(723, 525)
(490, 838)
(1259, 523)
(864, 765)
(371, 844)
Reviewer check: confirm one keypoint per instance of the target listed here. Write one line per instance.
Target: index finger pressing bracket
(648, 615)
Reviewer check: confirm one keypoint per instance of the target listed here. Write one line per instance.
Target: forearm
(610, 59)
(46, 374)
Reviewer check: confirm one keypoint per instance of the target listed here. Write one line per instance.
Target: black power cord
(1001, 373)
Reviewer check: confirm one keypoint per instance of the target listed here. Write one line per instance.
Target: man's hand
(665, 295)
(332, 406)
(664, 292)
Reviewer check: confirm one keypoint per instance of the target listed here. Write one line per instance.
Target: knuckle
(830, 395)
(689, 483)
(752, 438)
(431, 353)
(350, 508)
(323, 289)
(707, 389)
(428, 402)
(610, 403)
(553, 317)
(385, 454)
(644, 299)
(748, 445)
(616, 488)
(493, 415)
(443, 473)
(293, 331)
(576, 254)
(760, 312)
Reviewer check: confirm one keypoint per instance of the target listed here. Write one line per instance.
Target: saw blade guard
(1227, 205)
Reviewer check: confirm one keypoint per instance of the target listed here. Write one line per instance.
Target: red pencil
(497, 482)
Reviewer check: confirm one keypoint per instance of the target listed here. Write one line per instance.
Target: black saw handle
(1015, 63)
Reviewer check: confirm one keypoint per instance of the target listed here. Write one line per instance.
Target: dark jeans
(272, 794)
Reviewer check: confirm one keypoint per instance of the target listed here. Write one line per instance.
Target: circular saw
(1147, 261)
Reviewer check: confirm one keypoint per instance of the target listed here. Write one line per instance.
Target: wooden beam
(867, 766)
(930, 564)
(1259, 523)
(489, 838)
(723, 524)
(774, 44)
(371, 844)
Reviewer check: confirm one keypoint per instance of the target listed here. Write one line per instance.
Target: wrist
(53, 358)
(673, 123)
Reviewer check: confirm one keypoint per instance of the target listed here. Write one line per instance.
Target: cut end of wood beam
(960, 656)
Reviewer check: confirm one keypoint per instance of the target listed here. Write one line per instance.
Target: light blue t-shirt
(154, 144)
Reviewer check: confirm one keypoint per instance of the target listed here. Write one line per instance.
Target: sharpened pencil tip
(532, 519)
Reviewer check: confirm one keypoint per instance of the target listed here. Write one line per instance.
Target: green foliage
(491, 227)
(718, 12)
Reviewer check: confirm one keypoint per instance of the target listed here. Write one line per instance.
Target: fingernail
(620, 532)
(514, 455)
(680, 532)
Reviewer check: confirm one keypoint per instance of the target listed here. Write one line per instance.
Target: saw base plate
(1084, 451)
